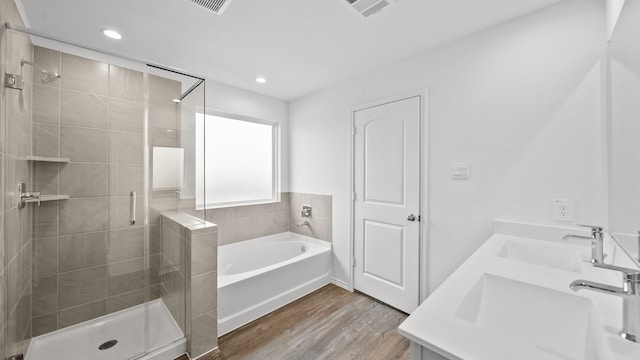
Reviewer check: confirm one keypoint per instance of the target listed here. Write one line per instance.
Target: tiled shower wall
(248, 222)
(190, 278)
(88, 259)
(15, 225)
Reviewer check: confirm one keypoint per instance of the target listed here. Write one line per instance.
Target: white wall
(520, 102)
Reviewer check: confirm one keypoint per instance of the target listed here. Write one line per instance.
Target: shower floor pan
(127, 327)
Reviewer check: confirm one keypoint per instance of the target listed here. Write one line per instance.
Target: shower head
(46, 76)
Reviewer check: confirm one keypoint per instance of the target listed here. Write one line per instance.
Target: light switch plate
(460, 171)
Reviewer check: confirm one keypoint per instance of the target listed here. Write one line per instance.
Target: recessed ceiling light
(261, 80)
(112, 34)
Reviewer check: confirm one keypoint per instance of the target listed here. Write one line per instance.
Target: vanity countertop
(511, 300)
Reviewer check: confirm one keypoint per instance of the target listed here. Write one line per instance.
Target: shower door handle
(132, 208)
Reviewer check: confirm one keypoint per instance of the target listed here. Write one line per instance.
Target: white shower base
(81, 341)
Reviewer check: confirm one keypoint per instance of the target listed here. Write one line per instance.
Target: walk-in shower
(98, 141)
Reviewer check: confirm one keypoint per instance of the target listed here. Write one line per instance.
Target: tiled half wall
(240, 223)
(190, 278)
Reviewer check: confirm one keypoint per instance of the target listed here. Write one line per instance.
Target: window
(239, 157)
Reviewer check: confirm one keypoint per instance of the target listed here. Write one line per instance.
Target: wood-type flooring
(330, 323)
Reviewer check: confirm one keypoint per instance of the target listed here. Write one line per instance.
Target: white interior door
(387, 202)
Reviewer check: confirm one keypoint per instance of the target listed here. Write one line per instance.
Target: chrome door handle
(132, 208)
(411, 217)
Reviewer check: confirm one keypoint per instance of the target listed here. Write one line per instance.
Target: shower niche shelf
(47, 159)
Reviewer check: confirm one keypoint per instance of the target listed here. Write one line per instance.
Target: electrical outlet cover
(563, 209)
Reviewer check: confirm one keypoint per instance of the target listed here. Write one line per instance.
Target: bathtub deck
(330, 323)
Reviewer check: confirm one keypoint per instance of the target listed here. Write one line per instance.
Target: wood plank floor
(330, 323)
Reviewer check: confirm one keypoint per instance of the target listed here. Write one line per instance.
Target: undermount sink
(560, 324)
(557, 256)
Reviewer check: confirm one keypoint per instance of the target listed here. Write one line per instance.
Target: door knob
(411, 217)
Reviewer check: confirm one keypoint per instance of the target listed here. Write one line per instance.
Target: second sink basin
(562, 325)
(560, 256)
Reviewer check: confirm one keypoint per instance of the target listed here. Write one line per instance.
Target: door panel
(384, 166)
(387, 186)
(383, 252)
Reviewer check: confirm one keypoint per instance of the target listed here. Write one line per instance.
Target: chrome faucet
(630, 293)
(597, 252)
(27, 197)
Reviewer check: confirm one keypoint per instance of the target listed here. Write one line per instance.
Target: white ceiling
(299, 45)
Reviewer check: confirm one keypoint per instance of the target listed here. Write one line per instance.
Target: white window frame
(275, 164)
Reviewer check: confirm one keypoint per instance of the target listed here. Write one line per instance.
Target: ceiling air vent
(216, 6)
(367, 8)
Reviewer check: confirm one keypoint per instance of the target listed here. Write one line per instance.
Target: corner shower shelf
(47, 159)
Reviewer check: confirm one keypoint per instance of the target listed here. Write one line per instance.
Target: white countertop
(437, 324)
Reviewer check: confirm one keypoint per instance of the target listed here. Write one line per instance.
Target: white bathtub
(127, 327)
(256, 277)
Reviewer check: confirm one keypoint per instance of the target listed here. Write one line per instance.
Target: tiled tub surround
(247, 222)
(189, 278)
(88, 260)
(320, 226)
(15, 225)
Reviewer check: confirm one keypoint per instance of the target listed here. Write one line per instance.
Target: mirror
(624, 129)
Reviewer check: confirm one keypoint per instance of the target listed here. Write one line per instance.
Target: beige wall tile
(45, 257)
(14, 232)
(45, 295)
(204, 293)
(204, 335)
(164, 137)
(46, 178)
(78, 314)
(126, 244)
(45, 139)
(2, 248)
(164, 116)
(83, 180)
(83, 145)
(162, 90)
(83, 215)
(125, 178)
(155, 269)
(125, 115)
(125, 83)
(84, 75)
(204, 253)
(125, 300)
(173, 248)
(3, 313)
(82, 287)
(125, 276)
(83, 109)
(155, 239)
(44, 324)
(45, 220)
(81, 251)
(126, 147)
(46, 104)
(323, 206)
(19, 325)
